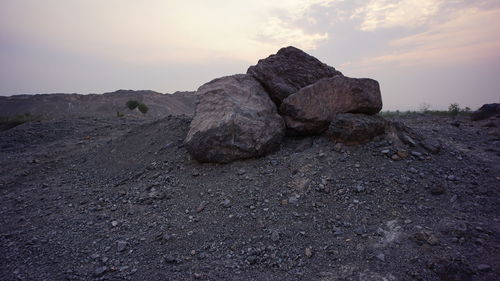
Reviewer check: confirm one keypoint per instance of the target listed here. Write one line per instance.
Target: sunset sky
(421, 51)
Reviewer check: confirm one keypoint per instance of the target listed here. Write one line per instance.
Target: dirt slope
(105, 105)
(120, 199)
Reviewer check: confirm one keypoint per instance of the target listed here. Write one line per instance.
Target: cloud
(470, 36)
(149, 31)
(378, 14)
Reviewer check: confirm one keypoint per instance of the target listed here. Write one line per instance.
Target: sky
(424, 53)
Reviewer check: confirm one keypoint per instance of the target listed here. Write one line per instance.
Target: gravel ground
(120, 199)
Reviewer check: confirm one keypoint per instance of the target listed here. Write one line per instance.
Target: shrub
(143, 108)
(454, 109)
(132, 104)
(7, 122)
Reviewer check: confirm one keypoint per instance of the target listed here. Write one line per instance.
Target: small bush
(454, 109)
(7, 122)
(132, 104)
(119, 114)
(143, 108)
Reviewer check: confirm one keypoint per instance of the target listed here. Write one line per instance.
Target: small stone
(416, 153)
(123, 268)
(275, 236)
(241, 172)
(226, 203)
(408, 221)
(402, 154)
(413, 170)
(357, 165)
(380, 257)
(338, 147)
(100, 271)
(483, 267)
(385, 151)
(308, 252)
(359, 188)
(395, 157)
(114, 223)
(437, 189)
(453, 198)
(432, 240)
(201, 207)
(95, 256)
(293, 199)
(121, 245)
(452, 178)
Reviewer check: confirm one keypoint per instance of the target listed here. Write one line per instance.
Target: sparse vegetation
(453, 110)
(132, 104)
(119, 114)
(8, 122)
(143, 108)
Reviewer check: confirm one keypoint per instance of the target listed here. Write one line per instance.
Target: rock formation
(311, 109)
(288, 71)
(354, 129)
(234, 119)
(486, 111)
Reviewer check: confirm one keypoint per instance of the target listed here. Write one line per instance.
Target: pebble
(114, 223)
(437, 189)
(416, 153)
(380, 257)
(452, 178)
(308, 252)
(402, 154)
(395, 157)
(413, 170)
(201, 207)
(121, 245)
(275, 236)
(483, 267)
(100, 271)
(385, 151)
(226, 203)
(359, 188)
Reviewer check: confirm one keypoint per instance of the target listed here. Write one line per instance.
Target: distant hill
(98, 105)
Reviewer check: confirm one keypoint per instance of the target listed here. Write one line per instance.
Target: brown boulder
(312, 108)
(234, 119)
(354, 129)
(289, 70)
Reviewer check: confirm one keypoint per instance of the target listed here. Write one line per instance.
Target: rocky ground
(120, 199)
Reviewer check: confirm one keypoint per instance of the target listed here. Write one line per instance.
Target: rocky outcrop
(402, 136)
(288, 71)
(352, 129)
(312, 108)
(234, 119)
(486, 111)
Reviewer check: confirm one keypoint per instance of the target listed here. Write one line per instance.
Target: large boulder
(353, 129)
(289, 70)
(486, 111)
(234, 119)
(312, 108)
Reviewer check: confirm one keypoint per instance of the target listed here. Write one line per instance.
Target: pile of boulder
(247, 115)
